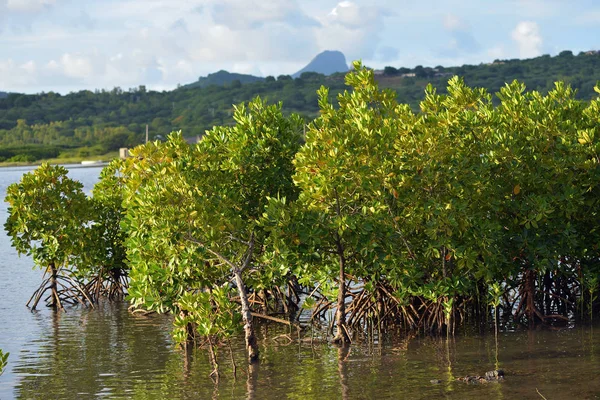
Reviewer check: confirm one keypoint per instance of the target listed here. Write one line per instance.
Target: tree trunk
(251, 344)
(190, 336)
(213, 360)
(530, 293)
(55, 302)
(341, 336)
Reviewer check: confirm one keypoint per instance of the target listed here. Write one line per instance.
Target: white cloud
(452, 22)
(94, 70)
(528, 38)
(14, 75)
(348, 14)
(29, 5)
(253, 14)
(70, 45)
(29, 67)
(76, 66)
(353, 29)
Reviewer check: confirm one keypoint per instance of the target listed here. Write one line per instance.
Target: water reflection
(251, 381)
(343, 353)
(109, 353)
(85, 353)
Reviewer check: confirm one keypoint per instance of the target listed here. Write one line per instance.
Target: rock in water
(495, 375)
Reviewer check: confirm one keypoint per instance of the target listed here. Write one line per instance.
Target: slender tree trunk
(213, 360)
(190, 337)
(340, 316)
(251, 343)
(530, 293)
(55, 303)
(444, 274)
(548, 289)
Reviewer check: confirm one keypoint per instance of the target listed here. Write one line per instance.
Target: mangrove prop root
(64, 289)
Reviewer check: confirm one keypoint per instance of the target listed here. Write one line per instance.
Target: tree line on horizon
(86, 123)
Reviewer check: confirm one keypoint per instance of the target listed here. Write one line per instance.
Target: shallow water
(109, 353)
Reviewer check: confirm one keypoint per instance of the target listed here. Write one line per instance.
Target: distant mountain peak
(327, 62)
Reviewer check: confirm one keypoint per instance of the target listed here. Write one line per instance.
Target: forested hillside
(222, 78)
(46, 124)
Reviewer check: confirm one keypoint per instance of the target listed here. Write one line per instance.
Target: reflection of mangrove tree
(386, 217)
(3, 361)
(99, 346)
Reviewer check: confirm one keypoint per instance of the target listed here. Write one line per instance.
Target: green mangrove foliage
(47, 213)
(339, 232)
(424, 216)
(104, 259)
(76, 240)
(192, 216)
(385, 216)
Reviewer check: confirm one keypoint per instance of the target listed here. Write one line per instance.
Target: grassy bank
(63, 160)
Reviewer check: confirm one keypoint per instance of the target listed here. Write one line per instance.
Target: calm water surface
(108, 353)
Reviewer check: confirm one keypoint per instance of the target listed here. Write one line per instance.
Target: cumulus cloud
(29, 5)
(349, 14)
(76, 44)
(353, 29)
(159, 43)
(528, 39)
(17, 75)
(253, 14)
(77, 66)
(278, 43)
(76, 71)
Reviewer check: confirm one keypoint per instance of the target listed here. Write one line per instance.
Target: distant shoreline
(69, 163)
(73, 162)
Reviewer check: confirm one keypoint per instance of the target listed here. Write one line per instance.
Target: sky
(71, 45)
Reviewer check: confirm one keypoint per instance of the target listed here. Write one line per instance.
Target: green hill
(102, 121)
(222, 78)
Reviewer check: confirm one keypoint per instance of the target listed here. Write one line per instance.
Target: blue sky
(69, 45)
